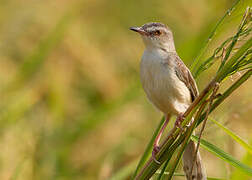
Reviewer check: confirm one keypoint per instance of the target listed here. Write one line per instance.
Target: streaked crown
(155, 29)
(156, 35)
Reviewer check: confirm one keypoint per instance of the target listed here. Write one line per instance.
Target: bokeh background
(71, 103)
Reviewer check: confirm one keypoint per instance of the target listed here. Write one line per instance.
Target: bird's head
(156, 35)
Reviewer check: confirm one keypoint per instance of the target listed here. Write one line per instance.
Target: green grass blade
(148, 149)
(235, 38)
(228, 68)
(205, 46)
(212, 178)
(163, 170)
(234, 136)
(247, 159)
(223, 155)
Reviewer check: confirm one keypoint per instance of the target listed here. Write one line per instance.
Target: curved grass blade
(228, 68)
(148, 148)
(235, 39)
(223, 155)
(247, 159)
(230, 42)
(205, 46)
(234, 136)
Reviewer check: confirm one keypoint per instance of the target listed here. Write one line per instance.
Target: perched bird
(169, 85)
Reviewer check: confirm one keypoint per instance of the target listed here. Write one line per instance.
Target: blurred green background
(71, 103)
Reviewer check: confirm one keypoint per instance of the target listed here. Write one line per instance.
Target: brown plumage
(186, 77)
(169, 85)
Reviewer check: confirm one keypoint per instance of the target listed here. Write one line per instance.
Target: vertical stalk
(185, 142)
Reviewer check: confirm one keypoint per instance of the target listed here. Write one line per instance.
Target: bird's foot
(189, 124)
(155, 150)
(179, 119)
(217, 95)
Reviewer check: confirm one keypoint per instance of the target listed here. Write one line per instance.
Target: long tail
(199, 171)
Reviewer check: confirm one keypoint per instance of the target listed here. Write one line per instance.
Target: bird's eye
(157, 32)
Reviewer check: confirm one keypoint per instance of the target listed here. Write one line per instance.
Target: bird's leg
(156, 147)
(179, 119)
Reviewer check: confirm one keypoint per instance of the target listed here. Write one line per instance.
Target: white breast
(161, 84)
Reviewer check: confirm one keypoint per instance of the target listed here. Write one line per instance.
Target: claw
(179, 119)
(217, 95)
(189, 124)
(155, 150)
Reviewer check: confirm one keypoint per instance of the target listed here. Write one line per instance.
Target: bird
(169, 85)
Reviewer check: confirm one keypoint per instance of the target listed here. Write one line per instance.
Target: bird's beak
(140, 30)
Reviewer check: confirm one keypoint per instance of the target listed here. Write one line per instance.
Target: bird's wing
(184, 74)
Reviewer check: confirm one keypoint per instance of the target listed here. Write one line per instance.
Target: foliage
(229, 65)
(71, 104)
